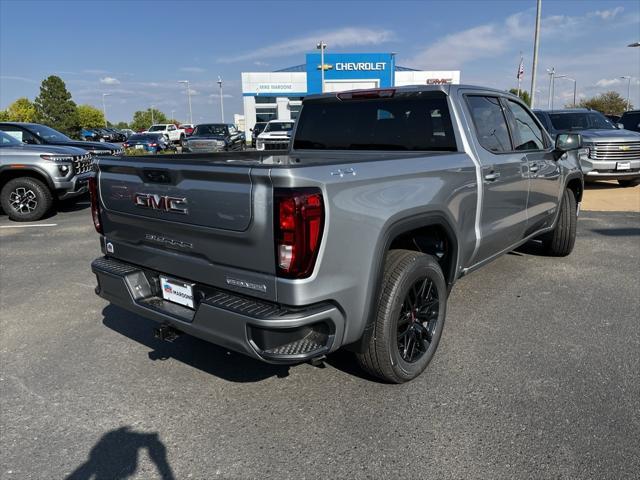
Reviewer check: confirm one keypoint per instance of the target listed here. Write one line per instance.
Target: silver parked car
(32, 177)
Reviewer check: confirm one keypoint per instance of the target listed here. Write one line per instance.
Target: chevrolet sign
(361, 66)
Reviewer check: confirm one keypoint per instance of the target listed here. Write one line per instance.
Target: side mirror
(620, 126)
(568, 141)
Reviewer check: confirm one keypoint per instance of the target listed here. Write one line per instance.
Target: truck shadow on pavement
(115, 456)
(192, 351)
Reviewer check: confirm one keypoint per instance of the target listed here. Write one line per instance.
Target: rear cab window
(411, 121)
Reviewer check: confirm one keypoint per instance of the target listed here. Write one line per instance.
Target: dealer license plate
(176, 291)
(624, 166)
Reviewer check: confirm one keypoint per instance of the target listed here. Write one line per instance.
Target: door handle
(534, 168)
(492, 177)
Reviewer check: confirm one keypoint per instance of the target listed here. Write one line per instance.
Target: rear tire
(624, 183)
(409, 318)
(26, 199)
(561, 240)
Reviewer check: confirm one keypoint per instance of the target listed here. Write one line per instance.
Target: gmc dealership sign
(439, 81)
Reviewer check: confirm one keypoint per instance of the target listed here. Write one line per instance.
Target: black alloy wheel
(418, 320)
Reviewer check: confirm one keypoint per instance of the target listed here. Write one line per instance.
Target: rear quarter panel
(361, 208)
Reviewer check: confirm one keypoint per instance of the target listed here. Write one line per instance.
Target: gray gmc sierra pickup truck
(353, 238)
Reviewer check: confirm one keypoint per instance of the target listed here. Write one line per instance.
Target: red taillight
(360, 94)
(125, 145)
(298, 230)
(95, 204)
(153, 144)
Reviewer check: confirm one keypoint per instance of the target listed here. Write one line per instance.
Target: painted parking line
(30, 226)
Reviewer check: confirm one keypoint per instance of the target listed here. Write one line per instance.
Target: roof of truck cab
(446, 89)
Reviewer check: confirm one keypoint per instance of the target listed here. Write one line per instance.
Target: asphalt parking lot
(536, 377)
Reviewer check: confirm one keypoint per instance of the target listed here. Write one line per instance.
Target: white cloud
(607, 14)
(494, 39)
(343, 37)
(192, 69)
(608, 82)
(261, 64)
(95, 72)
(110, 81)
(193, 91)
(217, 95)
(17, 79)
(457, 48)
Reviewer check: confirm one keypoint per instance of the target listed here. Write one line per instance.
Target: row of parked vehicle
(610, 151)
(40, 166)
(105, 134)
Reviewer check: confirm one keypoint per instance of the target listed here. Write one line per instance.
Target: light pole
(219, 82)
(551, 73)
(574, 86)
(536, 44)
(628, 79)
(322, 47)
(104, 108)
(186, 82)
(152, 109)
(173, 114)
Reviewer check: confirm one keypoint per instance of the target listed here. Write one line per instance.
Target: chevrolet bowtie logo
(624, 147)
(326, 67)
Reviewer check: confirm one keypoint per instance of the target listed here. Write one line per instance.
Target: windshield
(279, 127)
(259, 127)
(157, 128)
(212, 129)
(8, 141)
(580, 121)
(49, 134)
(408, 122)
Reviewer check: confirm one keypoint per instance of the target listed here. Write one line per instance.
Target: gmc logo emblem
(161, 202)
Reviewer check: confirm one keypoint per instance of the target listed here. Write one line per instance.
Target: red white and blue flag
(520, 74)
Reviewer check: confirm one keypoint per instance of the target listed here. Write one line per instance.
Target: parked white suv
(169, 130)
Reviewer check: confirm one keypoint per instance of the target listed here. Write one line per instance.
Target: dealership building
(278, 95)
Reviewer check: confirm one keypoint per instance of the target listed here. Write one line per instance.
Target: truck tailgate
(191, 220)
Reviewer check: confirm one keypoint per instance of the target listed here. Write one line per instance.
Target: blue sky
(137, 50)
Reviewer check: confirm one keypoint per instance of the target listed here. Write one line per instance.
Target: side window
(527, 135)
(232, 130)
(490, 123)
(21, 135)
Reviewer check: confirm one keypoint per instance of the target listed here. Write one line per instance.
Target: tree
(609, 103)
(142, 119)
(524, 95)
(55, 108)
(22, 110)
(4, 116)
(122, 125)
(90, 117)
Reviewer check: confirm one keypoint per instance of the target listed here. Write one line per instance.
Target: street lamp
(152, 109)
(104, 108)
(219, 82)
(551, 73)
(173, 114)
(628, 78)
(322, 47)
(574, 86)
(186, 82)
(634, 44)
